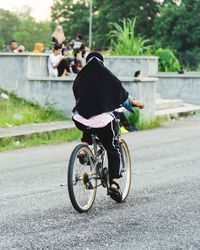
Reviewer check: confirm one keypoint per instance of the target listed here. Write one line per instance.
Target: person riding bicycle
(98, 93)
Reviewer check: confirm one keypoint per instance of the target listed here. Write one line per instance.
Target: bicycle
(83, 178)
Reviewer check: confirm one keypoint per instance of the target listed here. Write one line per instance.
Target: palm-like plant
(125, 42)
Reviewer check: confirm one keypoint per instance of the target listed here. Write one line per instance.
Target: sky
(41, 8)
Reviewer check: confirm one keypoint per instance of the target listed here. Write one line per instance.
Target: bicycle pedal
(89, 185)
(104, 184)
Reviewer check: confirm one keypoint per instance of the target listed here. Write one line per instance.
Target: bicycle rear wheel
(125, 169)
(82, 181)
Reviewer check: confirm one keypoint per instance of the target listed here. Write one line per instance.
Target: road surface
(161, 212)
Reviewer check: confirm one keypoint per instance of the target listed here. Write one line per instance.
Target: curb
(35, 129)
(186, 110)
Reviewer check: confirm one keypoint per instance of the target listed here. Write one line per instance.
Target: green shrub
(137, 122)
(134, 118)
(167, 60)
(124, 41)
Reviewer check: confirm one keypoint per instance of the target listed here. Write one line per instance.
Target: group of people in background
(61, 64)
(64, 57)
(14, 48)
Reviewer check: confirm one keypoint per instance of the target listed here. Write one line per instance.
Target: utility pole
(90, 26)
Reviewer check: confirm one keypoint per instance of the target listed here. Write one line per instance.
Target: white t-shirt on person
(52, 60)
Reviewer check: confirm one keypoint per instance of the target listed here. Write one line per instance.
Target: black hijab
(96, 89)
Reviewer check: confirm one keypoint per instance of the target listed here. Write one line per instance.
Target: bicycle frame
(83, 176)
(99, 155)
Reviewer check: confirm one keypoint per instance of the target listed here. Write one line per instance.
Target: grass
(18, 111)
(150, 124)
(53, 137)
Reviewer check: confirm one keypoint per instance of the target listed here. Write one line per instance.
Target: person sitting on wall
(73, 66)
(56, 63)
(38, 47)
(78, 62)
(12, 47)
(137, 73)
(58, 36)
(77, 45)
(69, 62)
(21, 49)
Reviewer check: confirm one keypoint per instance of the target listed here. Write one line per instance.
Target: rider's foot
(82, 156)
(130, 128)
(114, 191)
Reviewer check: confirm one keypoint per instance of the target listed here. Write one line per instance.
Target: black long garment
(97, 90)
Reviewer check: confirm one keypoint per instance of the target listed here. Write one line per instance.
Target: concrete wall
(26, 75)
(58, 92)
(120, 65)
(53, 91)
(13, 71)
(37, 65)
(127, 65)
(179, 86)
(143, 89)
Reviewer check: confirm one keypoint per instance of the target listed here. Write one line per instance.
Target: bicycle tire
(125, 169)
(74, 178)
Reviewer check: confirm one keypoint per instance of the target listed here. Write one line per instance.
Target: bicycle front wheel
(82, 180)
(125, 169)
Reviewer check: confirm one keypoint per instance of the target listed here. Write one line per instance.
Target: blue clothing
(127, 105)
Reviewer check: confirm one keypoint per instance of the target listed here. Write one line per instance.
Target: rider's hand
(140, 105)
(137, 104)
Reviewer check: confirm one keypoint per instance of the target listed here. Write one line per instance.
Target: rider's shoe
(130, 128)
(115, 192)
(83, 159)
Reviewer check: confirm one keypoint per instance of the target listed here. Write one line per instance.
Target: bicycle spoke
(81, 180)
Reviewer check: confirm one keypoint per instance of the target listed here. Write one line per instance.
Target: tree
(170, 26)
(113, 11)
(9, 25)
(74, 18)
(177, 28)
(24, 29)
(31, 32)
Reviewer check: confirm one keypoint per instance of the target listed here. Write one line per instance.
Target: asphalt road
(161, 212)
